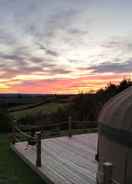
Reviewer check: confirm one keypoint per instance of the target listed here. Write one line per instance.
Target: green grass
(45, 108)
(12, 169)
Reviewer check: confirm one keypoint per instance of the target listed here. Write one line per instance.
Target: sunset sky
(64, 46)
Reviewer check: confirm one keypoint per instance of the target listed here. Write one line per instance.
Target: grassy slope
(12, 169)
(50, 107)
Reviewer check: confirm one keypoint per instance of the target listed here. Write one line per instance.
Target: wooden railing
(68, 126)
(23, 132)
(103, 177)
(27, 137)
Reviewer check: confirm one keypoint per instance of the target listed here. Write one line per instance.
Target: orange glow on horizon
(62, 86)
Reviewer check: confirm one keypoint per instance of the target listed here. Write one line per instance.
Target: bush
(5, 121)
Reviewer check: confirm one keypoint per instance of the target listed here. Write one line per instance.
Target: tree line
(87, 106)
(81, 107)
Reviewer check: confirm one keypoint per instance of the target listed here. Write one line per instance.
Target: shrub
(5, 121)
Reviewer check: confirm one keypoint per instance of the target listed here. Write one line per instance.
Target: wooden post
(107, 170)
(42, 133)
(38, 151)
(69, 127)
(13, 139)
(97, 154)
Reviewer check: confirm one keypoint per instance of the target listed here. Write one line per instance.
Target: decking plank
(66, 160)
(72, 156)
(71, 167)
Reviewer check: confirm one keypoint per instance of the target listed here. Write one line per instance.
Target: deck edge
(35, 169)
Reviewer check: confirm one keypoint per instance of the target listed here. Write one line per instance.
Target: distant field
(45, 108)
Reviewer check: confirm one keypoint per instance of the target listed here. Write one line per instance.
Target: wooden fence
(103, 177)
(24, 132)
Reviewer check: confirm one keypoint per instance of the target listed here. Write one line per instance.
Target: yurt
(115, 137)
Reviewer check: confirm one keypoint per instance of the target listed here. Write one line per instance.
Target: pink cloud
(65, 85)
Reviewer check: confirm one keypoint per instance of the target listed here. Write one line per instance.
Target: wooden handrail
(73, 122)
(29, 127)
(21, 128)
(24, 134)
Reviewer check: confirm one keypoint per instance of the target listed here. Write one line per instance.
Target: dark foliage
(5, 120)
(29, 119)
(88, 106)
(82, 106)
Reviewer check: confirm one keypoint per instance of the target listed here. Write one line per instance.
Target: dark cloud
(61, 19)
(11, 57)
(30, 28)
(42, 61)
(122, 43)
(11, 72)
(48, 51)
(42, 47)
(51, 52)
(74, 61)
(76, 31)
(109, 67)
(14, 65)
(60, 71)
(67, 26)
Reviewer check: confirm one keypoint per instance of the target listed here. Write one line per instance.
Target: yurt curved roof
(117, 112)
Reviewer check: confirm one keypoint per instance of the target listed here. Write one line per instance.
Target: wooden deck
(64, 160)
